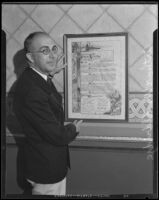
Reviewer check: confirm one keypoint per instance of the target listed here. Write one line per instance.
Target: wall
(139, 20)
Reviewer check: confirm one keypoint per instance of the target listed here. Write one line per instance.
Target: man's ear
(29, 57)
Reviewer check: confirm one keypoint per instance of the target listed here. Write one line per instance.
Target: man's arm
(39, 114)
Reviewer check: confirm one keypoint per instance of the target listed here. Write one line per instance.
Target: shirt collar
(44, 76)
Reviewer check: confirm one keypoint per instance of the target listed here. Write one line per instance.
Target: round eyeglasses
(46, 50)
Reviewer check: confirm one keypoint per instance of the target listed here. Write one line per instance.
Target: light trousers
(49, 189)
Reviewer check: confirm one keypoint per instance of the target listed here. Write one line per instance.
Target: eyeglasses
(47, 50)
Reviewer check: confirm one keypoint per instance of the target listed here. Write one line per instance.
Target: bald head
(29, 41)
(40, 52)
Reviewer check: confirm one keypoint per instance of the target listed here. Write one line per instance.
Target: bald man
(38, 107)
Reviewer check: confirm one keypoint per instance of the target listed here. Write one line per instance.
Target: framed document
(96, 77)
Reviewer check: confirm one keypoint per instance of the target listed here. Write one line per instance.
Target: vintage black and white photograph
(79, 93)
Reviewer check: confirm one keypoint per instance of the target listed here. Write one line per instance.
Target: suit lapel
(55, 102)
(54, 96)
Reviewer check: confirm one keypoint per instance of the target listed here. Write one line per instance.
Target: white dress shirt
(44, 76)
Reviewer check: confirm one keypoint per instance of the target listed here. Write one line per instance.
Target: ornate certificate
(96, 76)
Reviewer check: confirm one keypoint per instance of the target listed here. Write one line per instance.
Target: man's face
(45, 63)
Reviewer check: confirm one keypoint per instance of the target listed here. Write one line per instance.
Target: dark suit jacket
(39, 111)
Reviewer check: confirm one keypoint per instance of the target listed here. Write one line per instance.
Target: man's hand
(77, 124)
(59, 65)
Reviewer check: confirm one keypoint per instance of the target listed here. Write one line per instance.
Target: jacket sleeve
(39, 114)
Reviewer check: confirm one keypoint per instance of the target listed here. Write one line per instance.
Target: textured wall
(139, 20)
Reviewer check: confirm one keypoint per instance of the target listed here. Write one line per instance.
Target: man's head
(41, 52)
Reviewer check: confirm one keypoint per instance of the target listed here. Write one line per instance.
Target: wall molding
(120, 139)
(99, 143)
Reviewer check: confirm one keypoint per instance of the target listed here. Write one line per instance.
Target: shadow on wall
(20, 63)
(12, 124)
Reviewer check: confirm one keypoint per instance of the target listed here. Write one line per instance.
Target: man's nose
(52, 54)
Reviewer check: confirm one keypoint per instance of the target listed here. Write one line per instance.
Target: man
(38, 107)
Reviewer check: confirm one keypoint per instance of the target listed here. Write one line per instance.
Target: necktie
(51, 85)
(49, 81)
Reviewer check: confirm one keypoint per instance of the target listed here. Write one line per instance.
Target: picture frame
(96, 77)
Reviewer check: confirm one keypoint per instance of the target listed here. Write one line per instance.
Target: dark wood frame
(65, 44)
